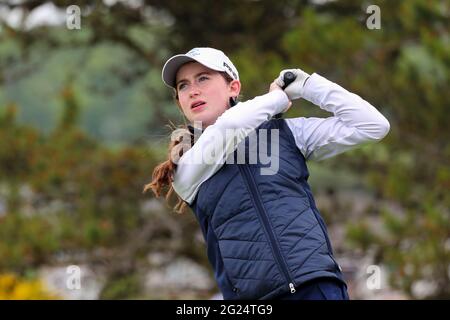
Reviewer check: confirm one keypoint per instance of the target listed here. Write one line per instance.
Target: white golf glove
(295, 89)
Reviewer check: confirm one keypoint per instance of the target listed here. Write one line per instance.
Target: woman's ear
(235, 88)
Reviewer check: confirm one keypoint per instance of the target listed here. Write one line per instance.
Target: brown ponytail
(181, 141)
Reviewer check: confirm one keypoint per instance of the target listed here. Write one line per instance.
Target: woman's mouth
(198, 105)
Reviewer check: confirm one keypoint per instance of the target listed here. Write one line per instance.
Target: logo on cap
(229, 68)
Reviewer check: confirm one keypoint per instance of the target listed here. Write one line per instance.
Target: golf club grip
(288, 78)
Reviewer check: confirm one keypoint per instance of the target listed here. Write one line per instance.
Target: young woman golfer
(264, 234)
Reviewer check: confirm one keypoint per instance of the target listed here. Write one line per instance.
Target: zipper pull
(291, 285)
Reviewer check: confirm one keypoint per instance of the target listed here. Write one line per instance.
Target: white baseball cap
(209, 57)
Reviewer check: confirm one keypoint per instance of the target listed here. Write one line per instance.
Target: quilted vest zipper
(266, 224)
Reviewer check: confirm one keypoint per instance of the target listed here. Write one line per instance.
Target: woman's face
(203, 93)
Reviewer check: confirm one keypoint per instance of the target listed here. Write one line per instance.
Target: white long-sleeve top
(355, 121)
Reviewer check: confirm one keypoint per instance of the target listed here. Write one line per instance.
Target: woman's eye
(202, 78)
(181, 86)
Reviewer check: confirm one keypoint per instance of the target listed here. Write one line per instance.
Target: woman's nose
(194, 91)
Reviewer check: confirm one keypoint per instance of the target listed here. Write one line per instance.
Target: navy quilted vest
(264, 234)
